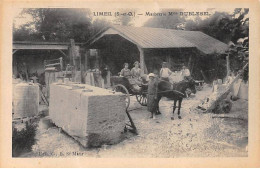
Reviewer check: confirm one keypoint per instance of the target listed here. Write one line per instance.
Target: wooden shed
(119, 44)
(33, 54)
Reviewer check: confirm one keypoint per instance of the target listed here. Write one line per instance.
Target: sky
(137, 21)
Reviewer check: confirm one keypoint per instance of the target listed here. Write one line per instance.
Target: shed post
(228, 64)
(142, 62)
(86, 60)
(189, 62)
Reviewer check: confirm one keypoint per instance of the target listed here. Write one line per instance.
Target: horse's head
(144, 79)
(192, 85)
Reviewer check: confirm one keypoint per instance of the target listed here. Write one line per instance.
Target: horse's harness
(171, 89)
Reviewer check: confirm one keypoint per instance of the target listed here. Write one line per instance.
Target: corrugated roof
(146, 37)
(203, 42)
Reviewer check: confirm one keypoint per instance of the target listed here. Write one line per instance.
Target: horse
(176, 91)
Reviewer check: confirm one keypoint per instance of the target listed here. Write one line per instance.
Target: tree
(232, 29)
(99, 25)
(25, 32)
(58, 24)
(239, 56)
(222, 25)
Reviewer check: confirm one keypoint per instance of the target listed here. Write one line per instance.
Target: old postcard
(130, 84)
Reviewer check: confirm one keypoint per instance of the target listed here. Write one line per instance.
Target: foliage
(227, 28)
(223, 26)
(57, 24)
(62, 24)
(25, 33)
(99, 24)
(239, 56)
(23, 140)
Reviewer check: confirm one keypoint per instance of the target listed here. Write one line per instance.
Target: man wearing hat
(152, 95)
(165, 72)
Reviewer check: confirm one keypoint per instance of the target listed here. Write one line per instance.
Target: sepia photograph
(130, 83)
(151, 84)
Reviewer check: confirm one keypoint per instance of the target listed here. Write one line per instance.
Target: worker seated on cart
(133, 76)
(125, 72)
(136, 74)
(136, 80)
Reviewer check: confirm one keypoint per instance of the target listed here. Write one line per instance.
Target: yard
(195, 135)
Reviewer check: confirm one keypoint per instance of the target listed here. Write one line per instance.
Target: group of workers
(164, 74)
(135, 72)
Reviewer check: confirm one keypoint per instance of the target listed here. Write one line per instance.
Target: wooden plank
(63, 53)
(49, 47)
(44, 98)
(15, 51)
(52, 64)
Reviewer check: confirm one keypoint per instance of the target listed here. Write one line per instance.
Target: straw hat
(151, 75)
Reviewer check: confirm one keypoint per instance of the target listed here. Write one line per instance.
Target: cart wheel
(142, 99)
(122, 89)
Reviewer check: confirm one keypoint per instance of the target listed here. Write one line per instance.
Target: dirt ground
(195, 135)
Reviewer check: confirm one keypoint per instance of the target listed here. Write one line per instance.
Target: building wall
(33, 60)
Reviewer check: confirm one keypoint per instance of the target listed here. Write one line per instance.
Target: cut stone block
(26, 100)
(92, 117)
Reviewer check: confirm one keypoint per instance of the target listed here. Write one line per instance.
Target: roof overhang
(159, 38)
(18, 45)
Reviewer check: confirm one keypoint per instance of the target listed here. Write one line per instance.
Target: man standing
(152, 95)
(185, 72)
(165, 72)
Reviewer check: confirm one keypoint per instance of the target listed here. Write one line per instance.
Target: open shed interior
(114, 51)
